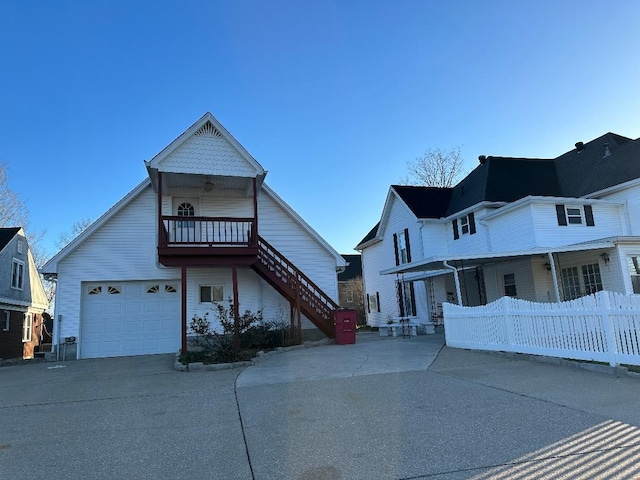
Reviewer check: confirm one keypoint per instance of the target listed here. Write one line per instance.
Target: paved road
(385, 408)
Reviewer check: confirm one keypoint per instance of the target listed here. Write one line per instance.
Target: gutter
(456, 279)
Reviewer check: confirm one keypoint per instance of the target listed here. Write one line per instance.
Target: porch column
(183, 306)
(554, 277)
(255, 211)
(456, 279)
(236, 316)
(159, 208)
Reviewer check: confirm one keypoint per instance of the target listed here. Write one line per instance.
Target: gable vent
(208, 130)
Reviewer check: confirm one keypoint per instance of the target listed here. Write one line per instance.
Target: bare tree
(435, 168)
(13, 212)
(76, 229)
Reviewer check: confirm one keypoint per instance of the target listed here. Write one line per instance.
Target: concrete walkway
(384, 408)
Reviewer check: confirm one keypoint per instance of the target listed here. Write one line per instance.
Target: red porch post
(160, 208)
(184, 308)
(236, 310)
(255, 211)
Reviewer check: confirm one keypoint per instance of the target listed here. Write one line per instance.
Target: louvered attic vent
(208, 130)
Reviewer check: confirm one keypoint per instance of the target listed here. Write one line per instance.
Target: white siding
(607, 219)
(229, 203)
(207, 156)
(630, 196)
(503, 230)
(295, 243)
(434, 239)
(374, 259)
(468, 243)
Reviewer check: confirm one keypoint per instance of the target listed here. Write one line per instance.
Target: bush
(253, 334)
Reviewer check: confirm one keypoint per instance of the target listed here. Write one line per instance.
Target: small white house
(202, 228)
(544, 230)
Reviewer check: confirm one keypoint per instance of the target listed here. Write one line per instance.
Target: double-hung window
(510, 285)
(6, 318)
(17, 274)
(402, 247)
(406, 299)
(373, 302)
(27, 328)
(575, 215)
(591, 278)
(634, 270)
(465, 225)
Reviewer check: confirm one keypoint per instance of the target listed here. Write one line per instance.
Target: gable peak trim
(208, 130)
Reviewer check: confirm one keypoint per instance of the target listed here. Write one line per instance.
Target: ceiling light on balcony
(208, 186)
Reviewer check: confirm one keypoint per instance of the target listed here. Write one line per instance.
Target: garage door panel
(132, 322)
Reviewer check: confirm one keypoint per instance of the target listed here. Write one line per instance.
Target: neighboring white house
(543, 230)
(202, 228)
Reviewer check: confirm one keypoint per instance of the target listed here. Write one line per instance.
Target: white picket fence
(603, 327)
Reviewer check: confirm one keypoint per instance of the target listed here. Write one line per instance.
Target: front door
(184, 231)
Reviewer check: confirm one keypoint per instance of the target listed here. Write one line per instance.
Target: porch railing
(207, 231)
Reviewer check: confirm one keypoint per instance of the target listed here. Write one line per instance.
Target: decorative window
(17, 274)
(95, 290)
(153, 288)
(170, 289)
(7, 320)
(186, 209)
(570, 283)
(402, 247)
(510, 285)
(27, 328)
(591, 278)
(373, 302)
(114, 290)
(575, 215)
(634, 269)
(211, 293)
(19, 246)
(406, 299)
(467, 226)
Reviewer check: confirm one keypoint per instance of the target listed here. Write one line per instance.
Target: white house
(203, 227)
(544, 230)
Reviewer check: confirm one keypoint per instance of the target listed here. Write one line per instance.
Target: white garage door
(130, 318)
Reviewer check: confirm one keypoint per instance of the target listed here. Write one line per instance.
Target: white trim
(340, 261)
(52, 265)
(27, 327)
(615, 188)
(155, 162)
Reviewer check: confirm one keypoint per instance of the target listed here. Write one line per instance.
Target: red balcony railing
(207, 231)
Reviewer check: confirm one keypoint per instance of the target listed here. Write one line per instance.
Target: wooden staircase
(296, 287)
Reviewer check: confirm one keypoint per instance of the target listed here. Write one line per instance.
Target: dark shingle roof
(588, 170)
(6, 234)
(353, 270)
(425, 202)
(369, 236)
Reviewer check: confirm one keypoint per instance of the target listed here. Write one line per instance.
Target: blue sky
(331, 97)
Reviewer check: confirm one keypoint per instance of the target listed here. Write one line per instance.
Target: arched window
(186, 210)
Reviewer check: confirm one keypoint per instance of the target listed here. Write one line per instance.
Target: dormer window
(402, 247)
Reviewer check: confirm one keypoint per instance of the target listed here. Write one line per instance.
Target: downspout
(456, 279)
(554, 277)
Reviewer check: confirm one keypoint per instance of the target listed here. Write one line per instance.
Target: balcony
(207, 241)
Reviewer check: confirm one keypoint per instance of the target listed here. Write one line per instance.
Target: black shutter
(400, 299)
(378, 300)
(588, 215)
(456, 235)
(562, 216)
(413, 299)
(472, 223)
(406, 239)
(368, 304)
(395, 248)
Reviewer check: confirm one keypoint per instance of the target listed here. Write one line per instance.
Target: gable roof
(6, 235)
(368, 237)
(353, 269)
(219, 149)
(425, 202)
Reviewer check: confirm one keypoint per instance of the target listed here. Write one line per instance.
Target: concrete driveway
(385, 408)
